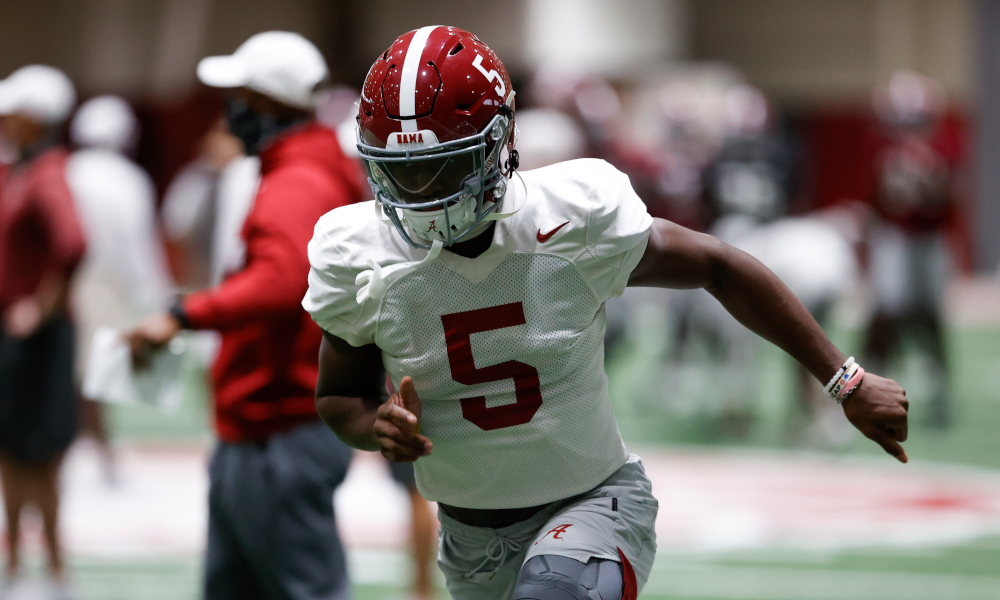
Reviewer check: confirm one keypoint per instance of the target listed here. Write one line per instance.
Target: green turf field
(770, 417)
(963, 573)
(968, 571)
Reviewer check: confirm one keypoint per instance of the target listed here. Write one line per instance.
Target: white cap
(281, 65)
(38, 91)
(105, 122)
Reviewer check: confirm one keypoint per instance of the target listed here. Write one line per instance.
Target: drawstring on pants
(497, 549)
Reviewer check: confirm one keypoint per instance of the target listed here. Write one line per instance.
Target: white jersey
(506, 350)
(116, 202)
(124, 276)
(235, 191)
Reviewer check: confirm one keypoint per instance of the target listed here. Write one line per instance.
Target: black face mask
(252, 128)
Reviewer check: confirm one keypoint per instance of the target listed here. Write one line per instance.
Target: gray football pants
(272, 533)
(598, 545)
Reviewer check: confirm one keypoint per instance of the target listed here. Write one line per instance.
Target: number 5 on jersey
(458, 327)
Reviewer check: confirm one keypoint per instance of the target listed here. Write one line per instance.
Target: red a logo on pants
(556, 532)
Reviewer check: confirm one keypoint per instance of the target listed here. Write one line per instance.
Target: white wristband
(828, 388)
(838, 386)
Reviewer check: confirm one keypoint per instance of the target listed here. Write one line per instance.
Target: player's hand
(397, 424)
(878, 409)
(22, 318)
(151, 335)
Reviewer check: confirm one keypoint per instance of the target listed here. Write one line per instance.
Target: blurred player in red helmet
(482, 293)
(914, 199)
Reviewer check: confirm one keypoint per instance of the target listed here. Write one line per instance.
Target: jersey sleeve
(331, 299)
(617, 232)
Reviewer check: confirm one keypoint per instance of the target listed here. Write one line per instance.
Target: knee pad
(552, 577)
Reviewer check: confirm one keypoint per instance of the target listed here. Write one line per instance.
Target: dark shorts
(37, 400)
(272, 533)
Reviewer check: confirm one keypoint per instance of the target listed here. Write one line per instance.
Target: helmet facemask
(438, 191)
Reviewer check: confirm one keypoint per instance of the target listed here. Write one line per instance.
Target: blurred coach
(41, 244)
(272, 532)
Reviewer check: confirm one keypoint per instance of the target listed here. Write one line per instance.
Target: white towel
(111, 378)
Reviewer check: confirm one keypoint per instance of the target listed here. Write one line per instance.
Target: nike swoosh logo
(544, 237)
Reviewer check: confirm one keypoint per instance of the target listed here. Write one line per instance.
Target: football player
(916, 206)
(481, 292)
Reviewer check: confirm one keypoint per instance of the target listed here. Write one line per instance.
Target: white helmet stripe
(408, 81)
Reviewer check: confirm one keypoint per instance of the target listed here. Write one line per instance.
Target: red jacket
(39, 230)
(264, 377)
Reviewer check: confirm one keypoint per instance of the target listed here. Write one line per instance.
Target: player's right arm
(349, 400)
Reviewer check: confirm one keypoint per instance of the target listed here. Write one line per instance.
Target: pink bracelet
(851, 385)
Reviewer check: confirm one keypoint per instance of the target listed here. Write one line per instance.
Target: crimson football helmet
(435, 122)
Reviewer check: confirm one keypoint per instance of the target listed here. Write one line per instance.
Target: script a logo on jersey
(556, 532)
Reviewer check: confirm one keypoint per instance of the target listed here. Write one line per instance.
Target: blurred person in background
(123, 277)
(737, 182)
(679, 122)
(205, 206)
(546, 136)
(41, 243)
(752, 175)
(272, 531)
(336, 107)
(749, 187)
(817, 262)
(914, 200)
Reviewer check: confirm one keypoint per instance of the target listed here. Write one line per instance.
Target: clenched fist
(878, 409)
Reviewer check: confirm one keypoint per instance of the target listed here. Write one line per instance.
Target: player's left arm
(677, 257)
(348, 399)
